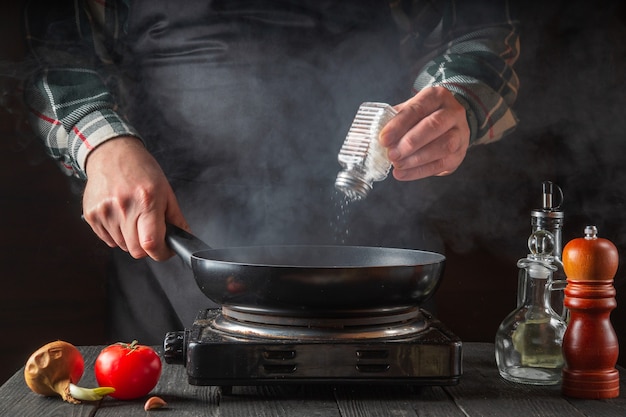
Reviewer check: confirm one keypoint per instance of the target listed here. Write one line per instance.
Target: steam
(260, 135)
(571, 131)
(575, 112)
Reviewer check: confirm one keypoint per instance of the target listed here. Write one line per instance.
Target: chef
(225, 118)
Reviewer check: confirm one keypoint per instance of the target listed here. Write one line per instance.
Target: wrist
(111, 149)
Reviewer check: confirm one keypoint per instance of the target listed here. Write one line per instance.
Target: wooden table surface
(481, 392)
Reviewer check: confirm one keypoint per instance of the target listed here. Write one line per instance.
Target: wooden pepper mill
(590, 345)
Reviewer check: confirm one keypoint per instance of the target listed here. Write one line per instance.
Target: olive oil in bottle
(528, 341)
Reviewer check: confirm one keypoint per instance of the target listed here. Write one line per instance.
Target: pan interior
(320, 256)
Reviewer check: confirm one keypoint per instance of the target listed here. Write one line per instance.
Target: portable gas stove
(232, 346)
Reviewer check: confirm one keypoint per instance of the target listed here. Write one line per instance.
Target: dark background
(572, 131)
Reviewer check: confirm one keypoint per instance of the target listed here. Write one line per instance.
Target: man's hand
(429, 135)
(128, 199)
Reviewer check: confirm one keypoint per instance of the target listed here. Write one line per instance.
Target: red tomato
(132, 369)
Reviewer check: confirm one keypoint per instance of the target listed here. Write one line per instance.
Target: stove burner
(326, 348)
(352, 325)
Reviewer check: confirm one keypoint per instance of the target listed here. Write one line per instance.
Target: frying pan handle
(183, 243)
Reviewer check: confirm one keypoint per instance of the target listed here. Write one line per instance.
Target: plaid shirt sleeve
(468, 51)
(70, 107)
(471, 52)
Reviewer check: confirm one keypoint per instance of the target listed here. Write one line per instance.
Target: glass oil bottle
(550, 217)
(529, 339)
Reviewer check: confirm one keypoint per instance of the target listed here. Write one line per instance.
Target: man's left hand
(429, 135)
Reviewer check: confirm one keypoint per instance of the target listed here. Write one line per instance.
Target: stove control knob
(174, 348)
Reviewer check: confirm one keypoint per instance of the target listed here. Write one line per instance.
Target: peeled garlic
(154, 402)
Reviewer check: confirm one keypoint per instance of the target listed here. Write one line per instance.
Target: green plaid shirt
(72, 108)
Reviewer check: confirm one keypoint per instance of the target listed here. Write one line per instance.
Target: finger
(107, 231)
(151, 229)
(418, 141)
(434, 168)
(102, 233)
(118, 237)
(440, 157)
(132, 241)
(447, 145)
(174, 215)
(411, 112)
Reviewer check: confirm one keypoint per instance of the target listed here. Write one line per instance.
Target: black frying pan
(310, 278)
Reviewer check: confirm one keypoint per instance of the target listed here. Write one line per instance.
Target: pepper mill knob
(590, 345)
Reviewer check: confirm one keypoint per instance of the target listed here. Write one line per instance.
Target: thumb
(174, 215)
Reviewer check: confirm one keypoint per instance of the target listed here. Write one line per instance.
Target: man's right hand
(128, 200)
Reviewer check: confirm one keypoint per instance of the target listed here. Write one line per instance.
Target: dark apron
(245, 105)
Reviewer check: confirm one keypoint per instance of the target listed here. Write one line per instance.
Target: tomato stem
(130, 346)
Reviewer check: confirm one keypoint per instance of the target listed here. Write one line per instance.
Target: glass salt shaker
(529, 339)
(363, 159)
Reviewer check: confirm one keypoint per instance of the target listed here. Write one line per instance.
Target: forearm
(482, 79)
(70, 108)
(475, 62)
(72, 112)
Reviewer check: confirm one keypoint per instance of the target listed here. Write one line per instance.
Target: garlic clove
(153, 403)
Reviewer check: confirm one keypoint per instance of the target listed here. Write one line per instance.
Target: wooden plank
(279, 401)
(182, 399)
(614, 407)
(375, 400)
(435, 402)
(16, 399)
(483, 392)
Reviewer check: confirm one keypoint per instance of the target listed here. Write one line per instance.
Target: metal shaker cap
(353, 186)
